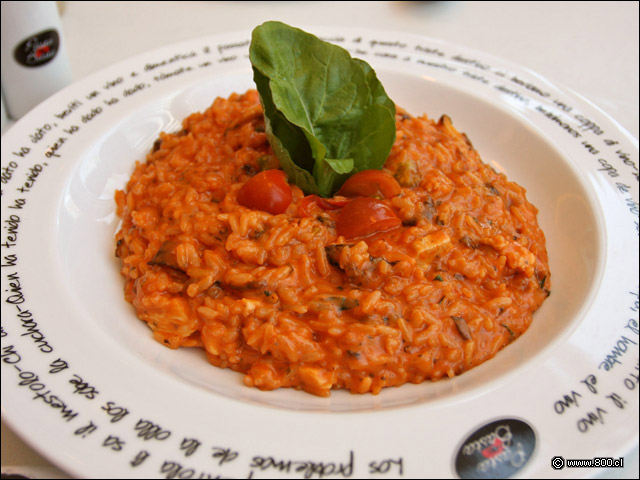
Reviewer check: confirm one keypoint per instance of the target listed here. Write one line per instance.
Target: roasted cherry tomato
(370, 183)
(267, 191)
(365, 216)
(306, 204)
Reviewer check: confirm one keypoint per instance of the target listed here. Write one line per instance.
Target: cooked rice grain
(285, 301)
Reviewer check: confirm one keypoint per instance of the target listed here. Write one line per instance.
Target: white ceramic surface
(85, 383)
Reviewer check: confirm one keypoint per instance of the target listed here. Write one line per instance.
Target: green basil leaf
(329, 112)
(297, 175)
(291, 136)
(340, 165)
(377, 90)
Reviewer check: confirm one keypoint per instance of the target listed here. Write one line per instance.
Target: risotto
(309, 297)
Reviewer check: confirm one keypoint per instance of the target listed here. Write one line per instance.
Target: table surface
(589, 47)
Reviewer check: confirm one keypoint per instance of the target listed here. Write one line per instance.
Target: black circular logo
(496, 450)
(38, 49)
(557, 463)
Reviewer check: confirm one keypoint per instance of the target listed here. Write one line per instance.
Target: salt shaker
(35, 64)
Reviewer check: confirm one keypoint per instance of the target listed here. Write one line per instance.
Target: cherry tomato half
(306, 204)
(267, 191)
(365, 216)
(370, 183)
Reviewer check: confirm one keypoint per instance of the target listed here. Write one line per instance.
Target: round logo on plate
(496, 450)
(38, 49)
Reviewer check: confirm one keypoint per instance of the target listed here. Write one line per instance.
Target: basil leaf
(327, 115)
(377, 90)
(287, 140)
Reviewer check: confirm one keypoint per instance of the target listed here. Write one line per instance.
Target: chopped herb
(267, 293)
(349, 303)
(333, 254)
(344, 303)
(438, 278)
(508, 330)
(248, 169)
(492, 189)
(544, 279)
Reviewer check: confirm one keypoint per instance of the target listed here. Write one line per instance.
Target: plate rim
(101, 73)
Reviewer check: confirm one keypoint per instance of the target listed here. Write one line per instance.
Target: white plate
(85, 384)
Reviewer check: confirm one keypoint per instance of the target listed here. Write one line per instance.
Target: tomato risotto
(415, 272)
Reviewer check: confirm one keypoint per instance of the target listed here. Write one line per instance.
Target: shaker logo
(496, 450)
(38, 49)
